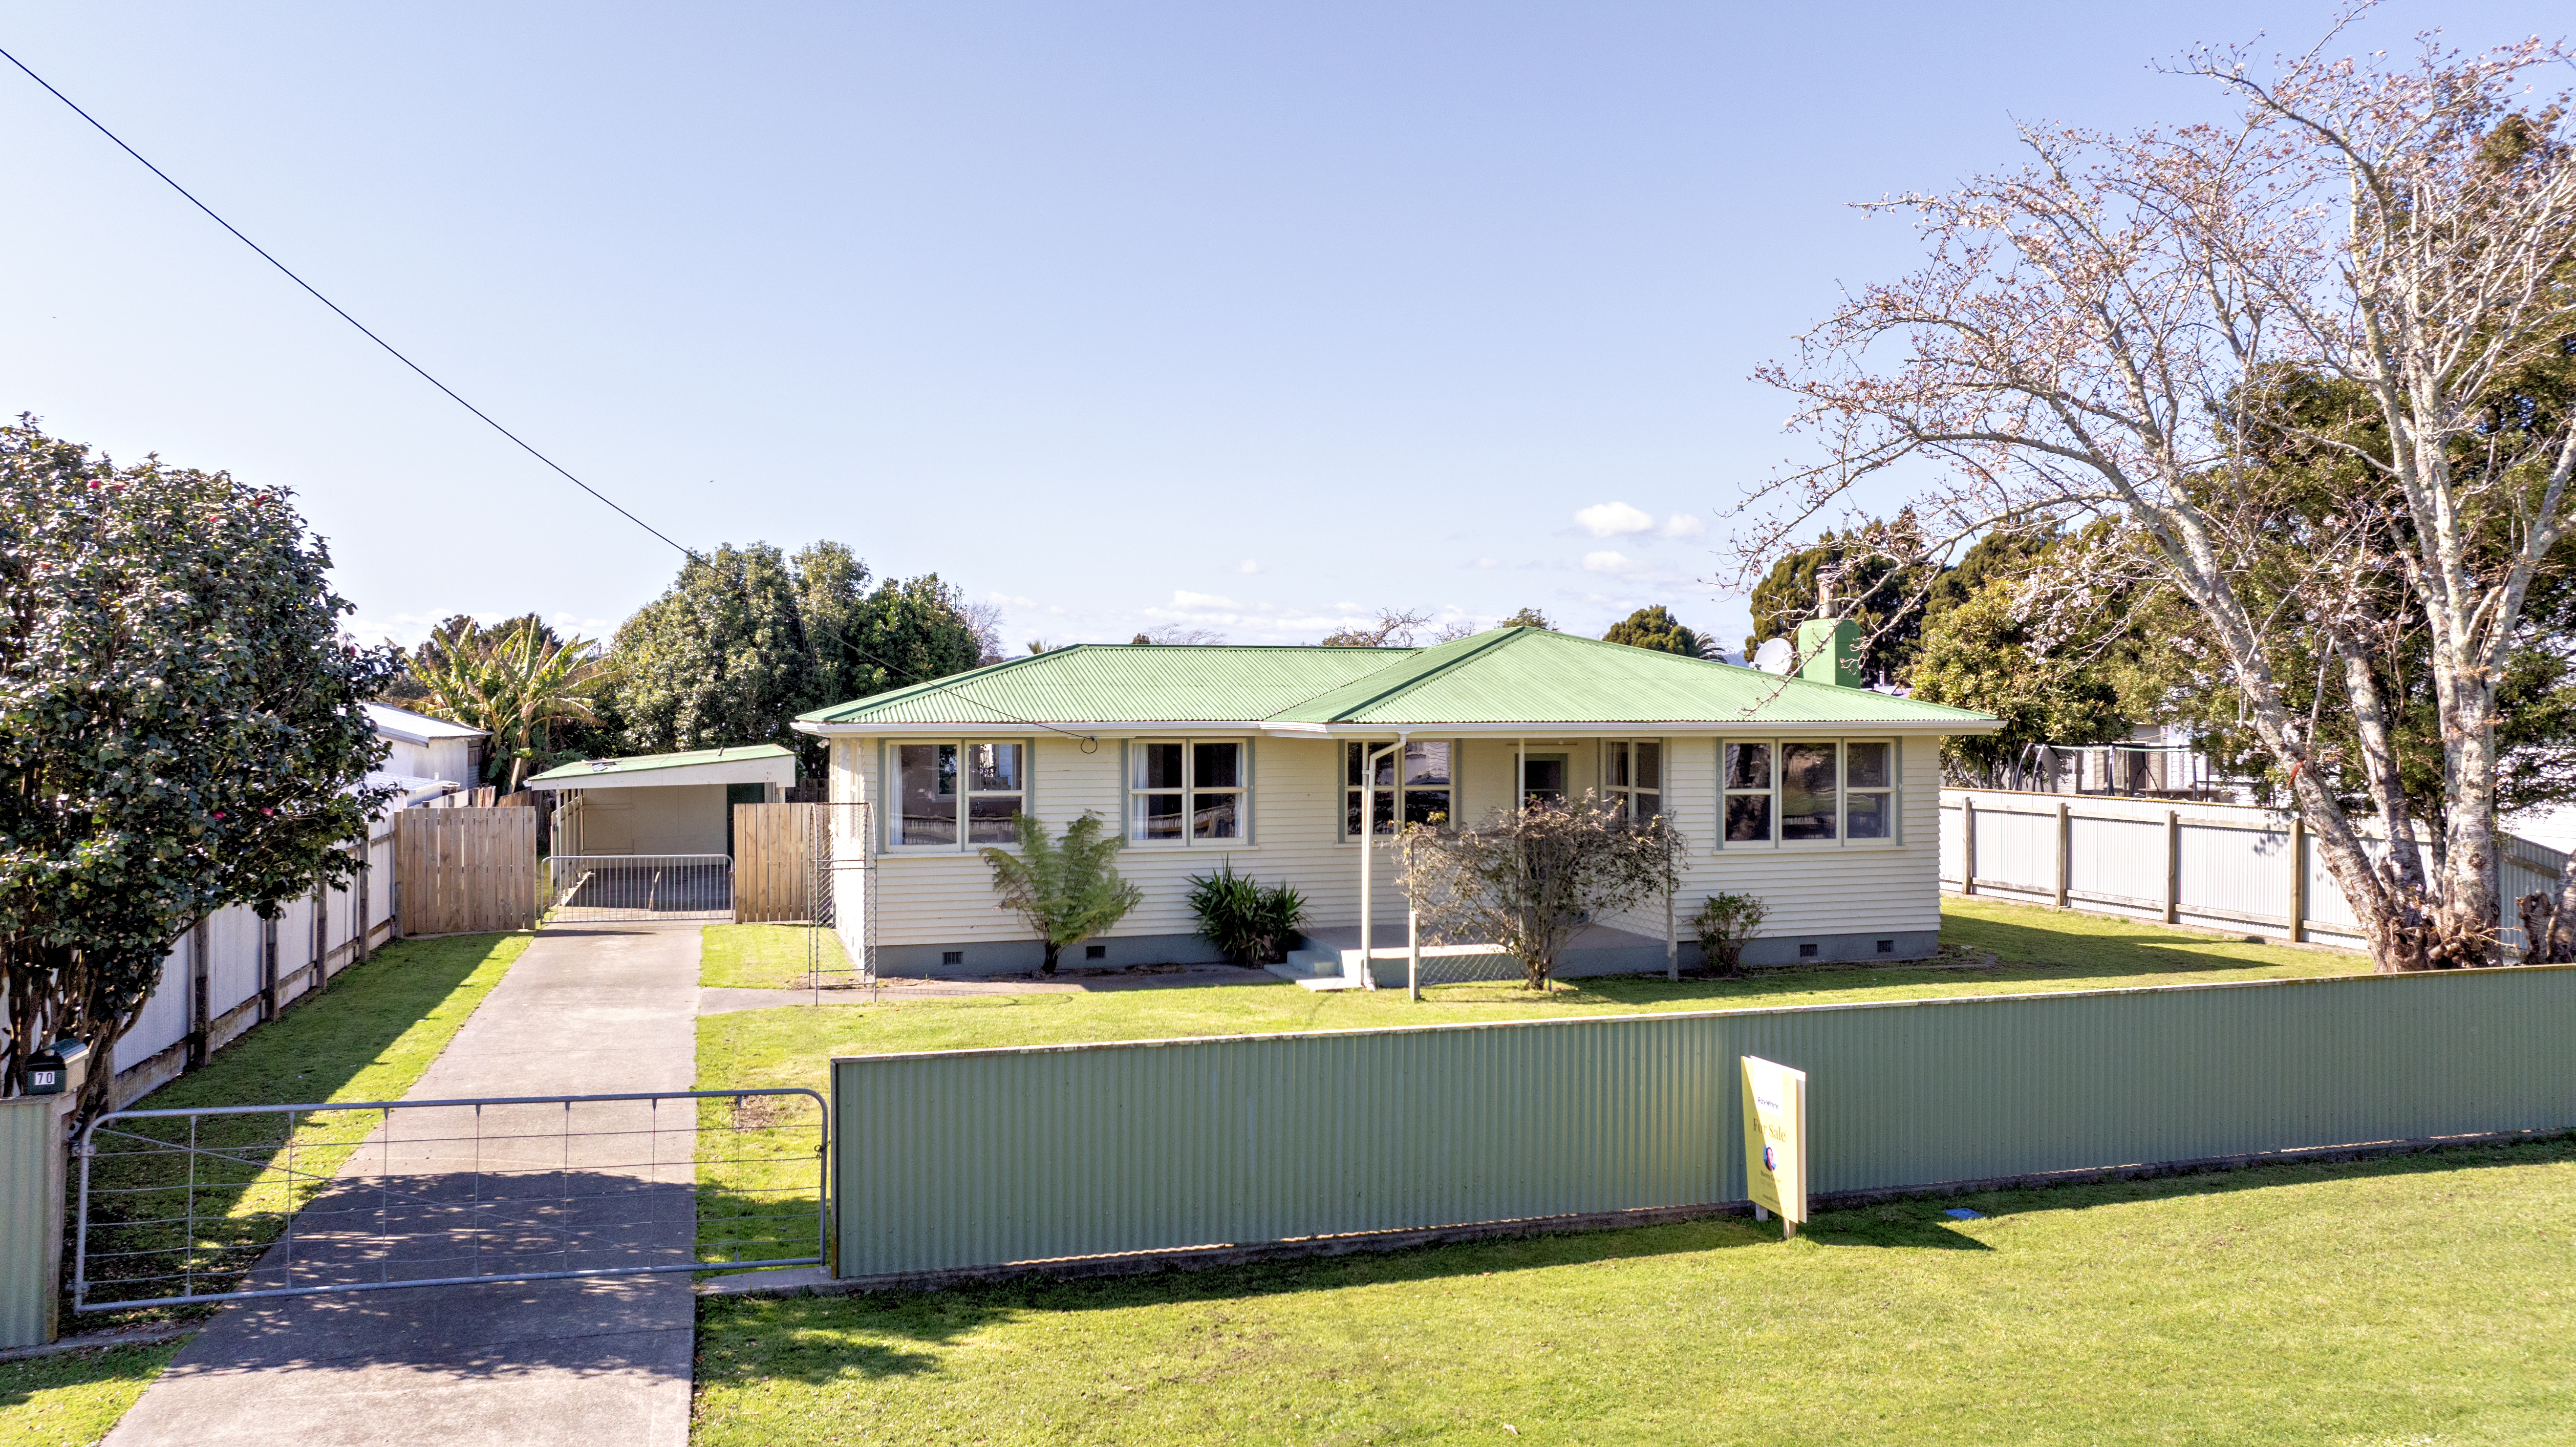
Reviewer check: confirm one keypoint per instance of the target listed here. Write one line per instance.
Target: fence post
(200, 1014)
(366, 869)
(2298, 879)
(2065, 848)
(268, 969)
(2173, 866)
(1967, 843)
(321, 965)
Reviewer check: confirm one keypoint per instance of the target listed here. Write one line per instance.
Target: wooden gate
(466, 871)
(772, 863)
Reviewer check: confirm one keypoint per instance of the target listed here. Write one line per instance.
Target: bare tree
(1528, 879)
(2361, 273)
(986, 620)
(1392, 629)
(1176, 635)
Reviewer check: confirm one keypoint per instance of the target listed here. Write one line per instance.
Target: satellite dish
(1775, 656)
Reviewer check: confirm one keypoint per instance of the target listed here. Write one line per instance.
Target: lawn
(367, 1036)
(2407, 1300)
(2384, 1301)
(765, 956)
(2032, 948)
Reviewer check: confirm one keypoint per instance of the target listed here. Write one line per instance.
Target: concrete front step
(1316, 970)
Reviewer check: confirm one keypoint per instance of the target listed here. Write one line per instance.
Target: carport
(651, 835)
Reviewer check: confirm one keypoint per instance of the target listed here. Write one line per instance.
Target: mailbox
(58, 1068)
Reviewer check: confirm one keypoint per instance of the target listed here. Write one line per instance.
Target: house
(663, 803)
(426, 758)
(1817, 796)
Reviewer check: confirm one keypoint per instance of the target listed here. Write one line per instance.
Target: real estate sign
(1775, 1138)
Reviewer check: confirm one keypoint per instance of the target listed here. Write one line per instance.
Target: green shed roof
(642, 763)
(1506, 676)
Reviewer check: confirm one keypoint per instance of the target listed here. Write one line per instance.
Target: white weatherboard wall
(945, 897)
(2229, 866)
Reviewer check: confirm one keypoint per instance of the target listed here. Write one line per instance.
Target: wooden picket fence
(772, 863)
(466, 871)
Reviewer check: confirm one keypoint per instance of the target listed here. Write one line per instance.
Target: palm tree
(516, 682)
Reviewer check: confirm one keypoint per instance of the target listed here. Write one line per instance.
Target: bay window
(958, 793)
(1183, 791)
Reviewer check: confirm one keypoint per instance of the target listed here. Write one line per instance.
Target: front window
(1632, 777)
(1803, 791)
(1182, 791)
(1411, 784)
(959, 791)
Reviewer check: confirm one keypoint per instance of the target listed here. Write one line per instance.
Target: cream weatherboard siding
(945, 897)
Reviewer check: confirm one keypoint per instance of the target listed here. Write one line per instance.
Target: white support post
(1368, 854)
(1412, 952)
(1672, 941)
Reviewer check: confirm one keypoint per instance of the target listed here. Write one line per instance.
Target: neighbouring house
(1817, 796)
(663, 803)
(427, 758)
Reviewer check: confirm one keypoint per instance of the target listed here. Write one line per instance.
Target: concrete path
(586, 1010)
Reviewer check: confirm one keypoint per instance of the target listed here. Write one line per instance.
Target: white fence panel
(2233, 867)
(233, 939)
(2116, 861)
(2018, 850)
(2236, 875)
(165, 1013)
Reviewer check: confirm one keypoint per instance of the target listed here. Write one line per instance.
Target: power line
(290, 275)
(684, 550)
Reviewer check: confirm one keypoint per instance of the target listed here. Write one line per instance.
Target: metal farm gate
(179, 1207)
(597, 888)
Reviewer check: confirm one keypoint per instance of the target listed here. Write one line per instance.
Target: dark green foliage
(1881, 581)
(748, 638)
(1527, 618)
(1654, 628)
(180, 726)
(1068, 891)
(1724, 923)
(1250, 922)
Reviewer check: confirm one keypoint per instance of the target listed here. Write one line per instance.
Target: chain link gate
(180, 1207)
(841, 898)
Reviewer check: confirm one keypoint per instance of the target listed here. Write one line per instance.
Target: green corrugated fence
(986, 1158)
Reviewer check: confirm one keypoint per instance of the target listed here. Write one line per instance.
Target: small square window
(1095, 952)
(1807, 951)
(1887, 947)
(952, 957)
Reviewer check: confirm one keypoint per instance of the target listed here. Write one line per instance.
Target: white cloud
(1487, 563)
(1612, 519)
(1248, 565)
(1013, 600)
(1608, 562)
(1184, 599)
(1684, 525)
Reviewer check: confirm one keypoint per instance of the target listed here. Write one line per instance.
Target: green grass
(367, 1036)
(2407, 1300)
(75, 1398)
(2035, 949)
(764, 956)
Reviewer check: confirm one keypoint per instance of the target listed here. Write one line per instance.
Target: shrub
(1249, 922)
(1528, 879)
(1724, 923)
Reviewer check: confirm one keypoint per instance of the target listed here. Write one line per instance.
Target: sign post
(1775, 1142)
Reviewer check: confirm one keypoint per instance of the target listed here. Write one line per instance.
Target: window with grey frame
(1413, 784)
(1632, 776)
(948, 794)
(1186, 791)
(1808, 791)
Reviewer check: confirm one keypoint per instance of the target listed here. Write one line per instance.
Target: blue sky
(1251, 317)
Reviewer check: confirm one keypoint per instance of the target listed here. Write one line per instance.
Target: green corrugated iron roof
(1509, 675)
(641, 763)
(1122, 683)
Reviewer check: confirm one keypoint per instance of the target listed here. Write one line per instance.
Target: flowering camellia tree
(179, 728)
(2311, 366)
